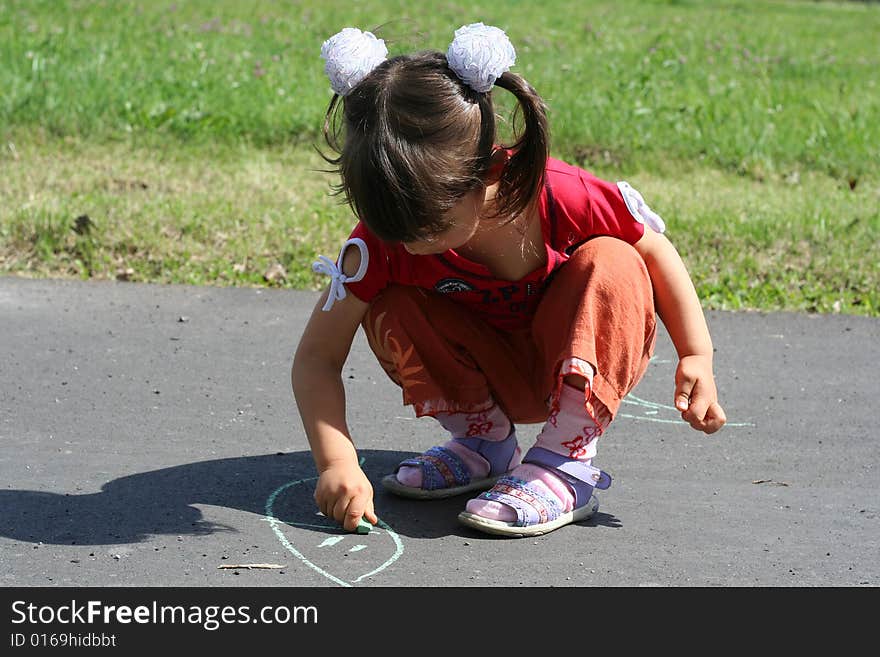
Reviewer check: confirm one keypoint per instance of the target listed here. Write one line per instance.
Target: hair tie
(351, 55)
(479, 54)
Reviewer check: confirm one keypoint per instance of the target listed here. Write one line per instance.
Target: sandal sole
(509, 529)
(391, 484)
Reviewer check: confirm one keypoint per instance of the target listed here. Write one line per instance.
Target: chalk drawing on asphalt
(381, 547)
(663, 413)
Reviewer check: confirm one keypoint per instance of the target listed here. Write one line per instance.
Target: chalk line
(655, 407)
(275, 523)
(393, 558)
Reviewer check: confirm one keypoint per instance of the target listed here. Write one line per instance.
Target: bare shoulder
(351, 261)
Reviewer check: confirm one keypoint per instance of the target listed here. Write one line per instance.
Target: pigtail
(523, 176)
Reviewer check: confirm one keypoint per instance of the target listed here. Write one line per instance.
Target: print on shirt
(511, 299)
(447, 285)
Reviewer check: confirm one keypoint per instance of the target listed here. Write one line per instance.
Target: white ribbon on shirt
(338, 279)
(639, 209)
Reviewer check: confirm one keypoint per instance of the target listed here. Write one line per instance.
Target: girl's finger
(353, 514)
(339, 510)
(696, 412)
(682, 400)
(715, 418)
(683, 390)
(370, 513)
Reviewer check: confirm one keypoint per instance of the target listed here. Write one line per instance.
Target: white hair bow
(350, 55)
(479, 54)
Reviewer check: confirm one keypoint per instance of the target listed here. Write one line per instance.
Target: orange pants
(598, 308)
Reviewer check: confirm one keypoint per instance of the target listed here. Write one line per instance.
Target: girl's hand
(345, 494)
(696, 396)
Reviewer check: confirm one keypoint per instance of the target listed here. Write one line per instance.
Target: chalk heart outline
(277, 527)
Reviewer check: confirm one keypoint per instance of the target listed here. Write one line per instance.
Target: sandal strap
(532, 507)
(498, 453)
(583, 478)
(441, 468)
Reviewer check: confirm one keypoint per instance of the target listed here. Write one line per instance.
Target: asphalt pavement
(149, 438)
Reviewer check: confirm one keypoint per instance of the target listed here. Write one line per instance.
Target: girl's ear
(499, 159)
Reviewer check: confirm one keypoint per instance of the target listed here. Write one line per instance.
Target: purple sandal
(444, 474)
(536, 513)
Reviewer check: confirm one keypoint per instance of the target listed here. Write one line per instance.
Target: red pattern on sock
(577, 446)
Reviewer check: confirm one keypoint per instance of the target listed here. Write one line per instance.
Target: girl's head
(416, 142)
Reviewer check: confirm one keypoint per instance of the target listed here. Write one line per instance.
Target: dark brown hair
(415, 139)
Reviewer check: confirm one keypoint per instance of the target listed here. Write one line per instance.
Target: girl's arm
(343, 491)
(679, 307)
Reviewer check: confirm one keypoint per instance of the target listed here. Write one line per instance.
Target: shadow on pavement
(133, 508)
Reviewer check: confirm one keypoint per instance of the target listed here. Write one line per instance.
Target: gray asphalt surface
(148, 437)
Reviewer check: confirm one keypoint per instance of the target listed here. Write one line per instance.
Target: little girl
(495, 284)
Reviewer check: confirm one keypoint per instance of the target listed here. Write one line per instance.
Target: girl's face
(464, 221)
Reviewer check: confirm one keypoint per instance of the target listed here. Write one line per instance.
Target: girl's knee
(605, 249)
(609, 257)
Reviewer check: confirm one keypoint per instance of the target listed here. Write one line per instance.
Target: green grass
(183, 130)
